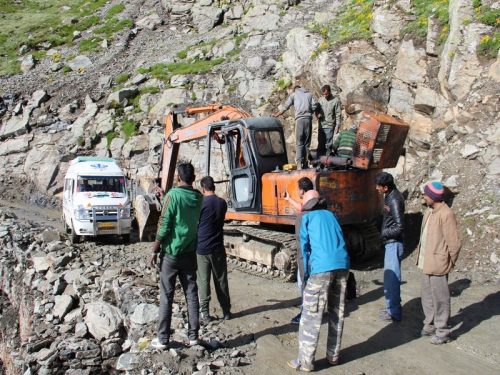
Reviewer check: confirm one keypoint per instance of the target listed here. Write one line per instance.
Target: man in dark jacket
(210, 251)
(176, 240)
(392, 237)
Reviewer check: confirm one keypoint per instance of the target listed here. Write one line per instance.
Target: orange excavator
(259, 235)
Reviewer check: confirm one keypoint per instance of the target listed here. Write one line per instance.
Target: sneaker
(386, 317)
(193, 342)
(205, 318)
(334, 361)
(439, 340)
(157, 344)
(296, 365)
(227, 316)
(424, 333)
(296, 319)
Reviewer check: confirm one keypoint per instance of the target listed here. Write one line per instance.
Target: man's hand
(153, 261)
(287, 196)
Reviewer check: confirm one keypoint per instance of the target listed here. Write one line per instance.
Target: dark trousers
(325, 140)
(303, 130)
(185, 268)
(213, 264)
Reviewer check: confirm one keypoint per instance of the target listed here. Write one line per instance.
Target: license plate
(106, 225)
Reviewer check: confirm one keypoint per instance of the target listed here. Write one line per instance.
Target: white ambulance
(95, 199)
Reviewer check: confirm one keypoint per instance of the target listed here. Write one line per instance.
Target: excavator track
(261, 252)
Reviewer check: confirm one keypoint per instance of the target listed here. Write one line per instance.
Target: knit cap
(434, 190)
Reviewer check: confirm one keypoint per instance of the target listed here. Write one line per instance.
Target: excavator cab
(254, 146)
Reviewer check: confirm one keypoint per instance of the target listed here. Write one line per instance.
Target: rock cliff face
(191, 52)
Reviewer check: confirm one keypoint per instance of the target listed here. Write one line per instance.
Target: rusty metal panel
(379, 141)
(351, 195)
(365, 142)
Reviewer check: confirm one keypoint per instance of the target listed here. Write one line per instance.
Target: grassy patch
(164, 71)
(90, 45)
(129, 128)
(352, 21)
(149, 90)
(424, 9)
(41, 22)
(182, 54)
(114, 10)
(113, 25)
(122, 78)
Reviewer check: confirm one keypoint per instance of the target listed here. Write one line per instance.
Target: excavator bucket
(147, 210)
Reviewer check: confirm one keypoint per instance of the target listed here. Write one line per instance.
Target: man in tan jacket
(437, 254)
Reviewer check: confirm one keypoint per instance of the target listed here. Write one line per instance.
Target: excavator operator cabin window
(236, 144)
(269, 143)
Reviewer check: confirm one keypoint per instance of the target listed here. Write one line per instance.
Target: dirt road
(263, 309)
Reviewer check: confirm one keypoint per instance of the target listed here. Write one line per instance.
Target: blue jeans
(392, 278)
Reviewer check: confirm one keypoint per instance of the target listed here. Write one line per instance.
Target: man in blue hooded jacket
(326, 268)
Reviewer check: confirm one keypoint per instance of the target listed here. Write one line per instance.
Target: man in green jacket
(330, 119)
(343, 146)
(176, 240)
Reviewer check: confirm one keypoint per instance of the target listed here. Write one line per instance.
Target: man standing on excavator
(305, 105)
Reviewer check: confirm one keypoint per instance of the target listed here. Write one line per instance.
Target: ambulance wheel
(73, 237)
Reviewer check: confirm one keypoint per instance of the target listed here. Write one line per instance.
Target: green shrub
(122, 78)
(489, 45)
(352, 21)
(129, 128)
(149, 90)
(109, 138)
(424, 9)
(182, 54)
(66, 69)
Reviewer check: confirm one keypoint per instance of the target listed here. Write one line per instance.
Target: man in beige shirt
(437, 254)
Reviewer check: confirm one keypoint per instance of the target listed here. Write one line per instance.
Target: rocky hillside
(100, 78)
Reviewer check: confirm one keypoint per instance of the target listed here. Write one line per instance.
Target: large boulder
(387, 23)
(168, 98)
(411, 64)
(81, 122)
(16, 125)
(301, 45)
(103, 320)
(261, 17)
(205, 18)
(459, 11)
(41, 165)
(119, 96)
(144, 313)
(150, 22)
(80, 63)
(15, 145)
(465, 67)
